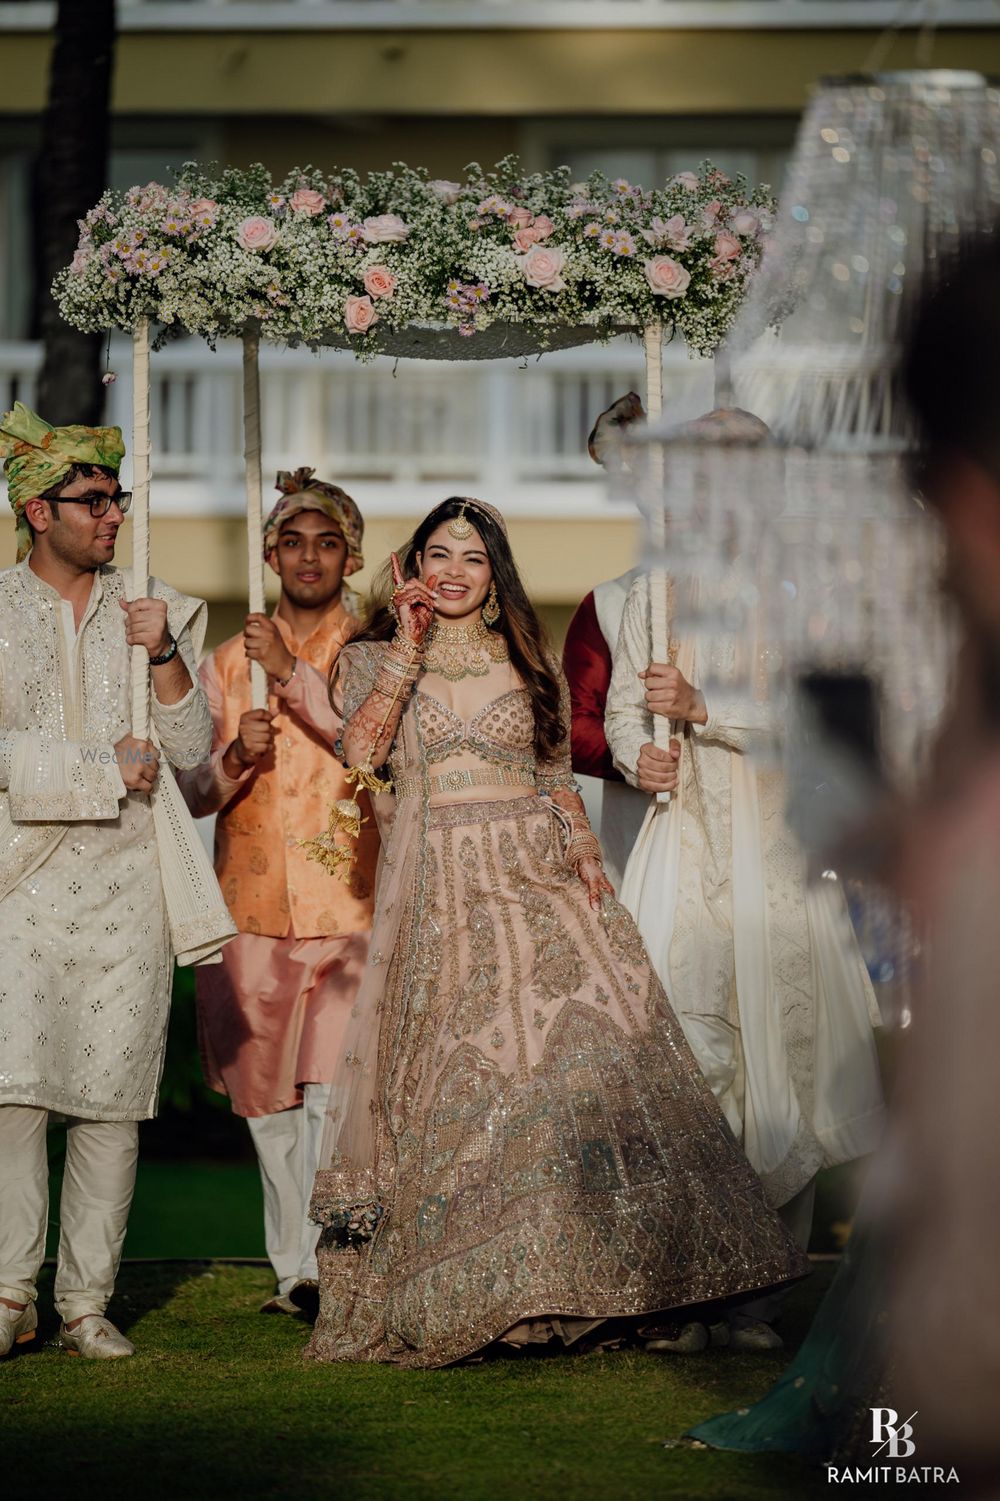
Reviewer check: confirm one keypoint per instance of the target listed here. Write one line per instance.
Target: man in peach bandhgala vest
(271, 1017)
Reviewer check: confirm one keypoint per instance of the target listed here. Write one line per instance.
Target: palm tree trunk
(71, 177)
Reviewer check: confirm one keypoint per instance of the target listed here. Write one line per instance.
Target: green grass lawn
(218, 1402)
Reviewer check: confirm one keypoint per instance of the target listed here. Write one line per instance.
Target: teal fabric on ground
(838, 1367)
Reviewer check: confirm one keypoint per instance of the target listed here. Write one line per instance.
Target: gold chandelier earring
(491, 609)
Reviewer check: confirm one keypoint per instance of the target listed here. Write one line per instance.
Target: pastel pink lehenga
(519, 1131)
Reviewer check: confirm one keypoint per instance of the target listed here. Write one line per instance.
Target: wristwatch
(168, 655)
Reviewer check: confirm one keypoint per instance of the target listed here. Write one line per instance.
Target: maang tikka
(460, 527)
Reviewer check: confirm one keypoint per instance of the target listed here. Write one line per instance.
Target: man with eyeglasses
(85, 872)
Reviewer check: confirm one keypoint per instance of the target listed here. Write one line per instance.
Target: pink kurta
(272, 1015)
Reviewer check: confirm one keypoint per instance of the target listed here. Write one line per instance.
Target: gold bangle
(584, 846)
(402, 638)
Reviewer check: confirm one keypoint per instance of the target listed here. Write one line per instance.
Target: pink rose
(307, 201)
(710, 214)
(204, 211)
(359, 315)
(674, 232)
(727, 246)
(667, 277)
(379, 281)
(81, 260)
(443, 188)
(525, 238)
(542, 267)
(519, 217)
(722, 270)
(744, 222)
(688, 180)
(385, 229)
(257, 233)
(543, 227)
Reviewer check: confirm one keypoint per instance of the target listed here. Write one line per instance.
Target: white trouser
(98, 1182)
(287, 1146)
(797, 1216)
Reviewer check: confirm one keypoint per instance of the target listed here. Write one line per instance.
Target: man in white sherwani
(90, 850)
(762, 968)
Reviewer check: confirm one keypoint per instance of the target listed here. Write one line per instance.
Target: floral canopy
(504, 263)
(386, 264)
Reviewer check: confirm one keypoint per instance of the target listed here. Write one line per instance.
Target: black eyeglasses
(99, 503)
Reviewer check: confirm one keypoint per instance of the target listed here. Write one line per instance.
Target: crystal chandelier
(814, 548)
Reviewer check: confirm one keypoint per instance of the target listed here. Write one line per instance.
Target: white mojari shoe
(279, 1303)
(305, 1297)
(754, 1335)
(18, 1326)
(679, 1339)
(96, 1338)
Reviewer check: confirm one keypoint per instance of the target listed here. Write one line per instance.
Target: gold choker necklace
(463, 651)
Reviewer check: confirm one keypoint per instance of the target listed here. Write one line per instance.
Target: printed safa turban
(37, 456)
(301, 492)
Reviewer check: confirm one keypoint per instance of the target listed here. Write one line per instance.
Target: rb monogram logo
(890, 1434)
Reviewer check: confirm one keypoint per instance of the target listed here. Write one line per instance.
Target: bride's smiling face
(463, 572)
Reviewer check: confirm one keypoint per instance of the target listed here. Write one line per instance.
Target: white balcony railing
(367, 15)
(402, 435)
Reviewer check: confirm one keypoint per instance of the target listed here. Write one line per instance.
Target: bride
(520, 1143)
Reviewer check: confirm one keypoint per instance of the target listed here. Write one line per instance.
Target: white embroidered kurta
(86, 968)
(762, 969)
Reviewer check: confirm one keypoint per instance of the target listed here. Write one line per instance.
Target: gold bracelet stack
(399, 668)
(584, 845)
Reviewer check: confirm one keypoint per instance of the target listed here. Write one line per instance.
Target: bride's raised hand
(414, 602)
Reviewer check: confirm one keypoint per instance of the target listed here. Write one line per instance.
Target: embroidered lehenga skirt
(544, 1143)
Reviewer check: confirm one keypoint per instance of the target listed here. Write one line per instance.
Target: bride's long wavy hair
(520, 626)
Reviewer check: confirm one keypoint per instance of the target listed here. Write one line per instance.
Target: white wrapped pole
(140, 518)
(723, 374)
(652, 341)
(254, 492)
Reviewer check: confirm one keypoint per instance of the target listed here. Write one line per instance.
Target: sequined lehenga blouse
(519, 1130)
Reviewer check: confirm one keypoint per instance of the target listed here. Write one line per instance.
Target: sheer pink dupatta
(348, 1194)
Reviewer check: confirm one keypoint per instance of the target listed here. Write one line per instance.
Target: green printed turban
(37, 456)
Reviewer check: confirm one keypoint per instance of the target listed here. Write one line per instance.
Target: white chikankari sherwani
(762, 968)
(88, 877)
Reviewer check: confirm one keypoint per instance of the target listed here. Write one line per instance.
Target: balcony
(471, 15)
(399, 436)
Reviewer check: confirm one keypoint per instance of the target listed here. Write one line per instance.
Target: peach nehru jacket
(270, 886)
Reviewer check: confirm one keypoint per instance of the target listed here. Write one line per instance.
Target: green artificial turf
(219, 1403)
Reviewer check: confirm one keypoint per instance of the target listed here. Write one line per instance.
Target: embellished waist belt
(455, 781)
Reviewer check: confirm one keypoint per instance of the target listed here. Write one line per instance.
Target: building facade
(638, 88)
